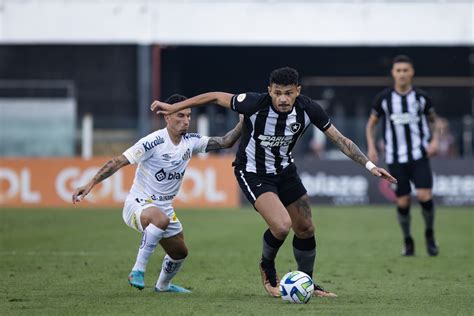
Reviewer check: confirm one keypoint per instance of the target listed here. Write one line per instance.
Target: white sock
(151, 237)
(169, 268)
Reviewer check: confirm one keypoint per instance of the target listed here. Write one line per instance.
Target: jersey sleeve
(377, 106)
(246, 103)
(142, 150)
(428, 105)
(318, 116)
(199, 142)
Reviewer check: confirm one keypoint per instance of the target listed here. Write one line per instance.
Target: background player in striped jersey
(264, 166)
(407, 113)
(162, 158)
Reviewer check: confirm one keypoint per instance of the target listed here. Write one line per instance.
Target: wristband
(369, 165)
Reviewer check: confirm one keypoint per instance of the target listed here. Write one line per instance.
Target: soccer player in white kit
(162, 158)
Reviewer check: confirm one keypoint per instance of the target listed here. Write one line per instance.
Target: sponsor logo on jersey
(162, 197)
(150, 145)
(295, 127)
(162, 175)
(187, 155)
(275, 141)
(241, 97)
(404, 118)
(196, 135)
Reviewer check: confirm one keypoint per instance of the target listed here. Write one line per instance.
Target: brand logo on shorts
(295, 127)
(160, 175)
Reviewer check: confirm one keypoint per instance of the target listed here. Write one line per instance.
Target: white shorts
(134, 207)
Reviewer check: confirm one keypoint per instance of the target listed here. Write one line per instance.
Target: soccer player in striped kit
(410, 139)
(265, 169)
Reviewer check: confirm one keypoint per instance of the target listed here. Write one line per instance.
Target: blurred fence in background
(37, 118)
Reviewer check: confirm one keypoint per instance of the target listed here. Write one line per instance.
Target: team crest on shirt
(295, 127)
(187, 155)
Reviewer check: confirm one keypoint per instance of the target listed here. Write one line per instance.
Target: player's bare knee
(423, 196)
(304, 231)
(281, 229)
(156, 217)
(403, 201)
(160, 221)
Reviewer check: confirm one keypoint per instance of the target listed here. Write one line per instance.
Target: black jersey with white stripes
(406, 132)
(268, 136)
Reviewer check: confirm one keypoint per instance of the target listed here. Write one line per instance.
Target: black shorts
(287, 184)
(418, 172)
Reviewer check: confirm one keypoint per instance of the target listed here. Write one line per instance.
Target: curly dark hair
(175, 98)
(284, 76)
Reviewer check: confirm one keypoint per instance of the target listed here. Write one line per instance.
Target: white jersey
(161, 165)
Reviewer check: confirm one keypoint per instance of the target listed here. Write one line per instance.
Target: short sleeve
(428, 105)
(377, 109)
(199, 142)
(142, 150)
(317, 115)
(246, 103)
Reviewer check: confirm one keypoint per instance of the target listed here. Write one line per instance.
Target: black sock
(427, 209)
(305, 254)
(403, 214)
(270, 246)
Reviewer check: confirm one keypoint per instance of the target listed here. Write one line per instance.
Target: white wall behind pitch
(201, 22)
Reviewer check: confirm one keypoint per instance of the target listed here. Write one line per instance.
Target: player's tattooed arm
(346, 145)
(108, 169)
(352, 151)
(226, 141)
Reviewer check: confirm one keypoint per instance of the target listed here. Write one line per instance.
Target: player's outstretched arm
(228, 140)
(108, 169)
(221, 98)
(351, 150)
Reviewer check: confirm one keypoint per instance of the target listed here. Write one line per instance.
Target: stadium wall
(237, 22)
(210, 183)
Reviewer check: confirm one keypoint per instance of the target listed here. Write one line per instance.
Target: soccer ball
(296, 287)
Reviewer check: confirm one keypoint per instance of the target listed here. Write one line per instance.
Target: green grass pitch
(64, 262)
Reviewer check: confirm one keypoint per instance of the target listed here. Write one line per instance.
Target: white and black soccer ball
(296, 287)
